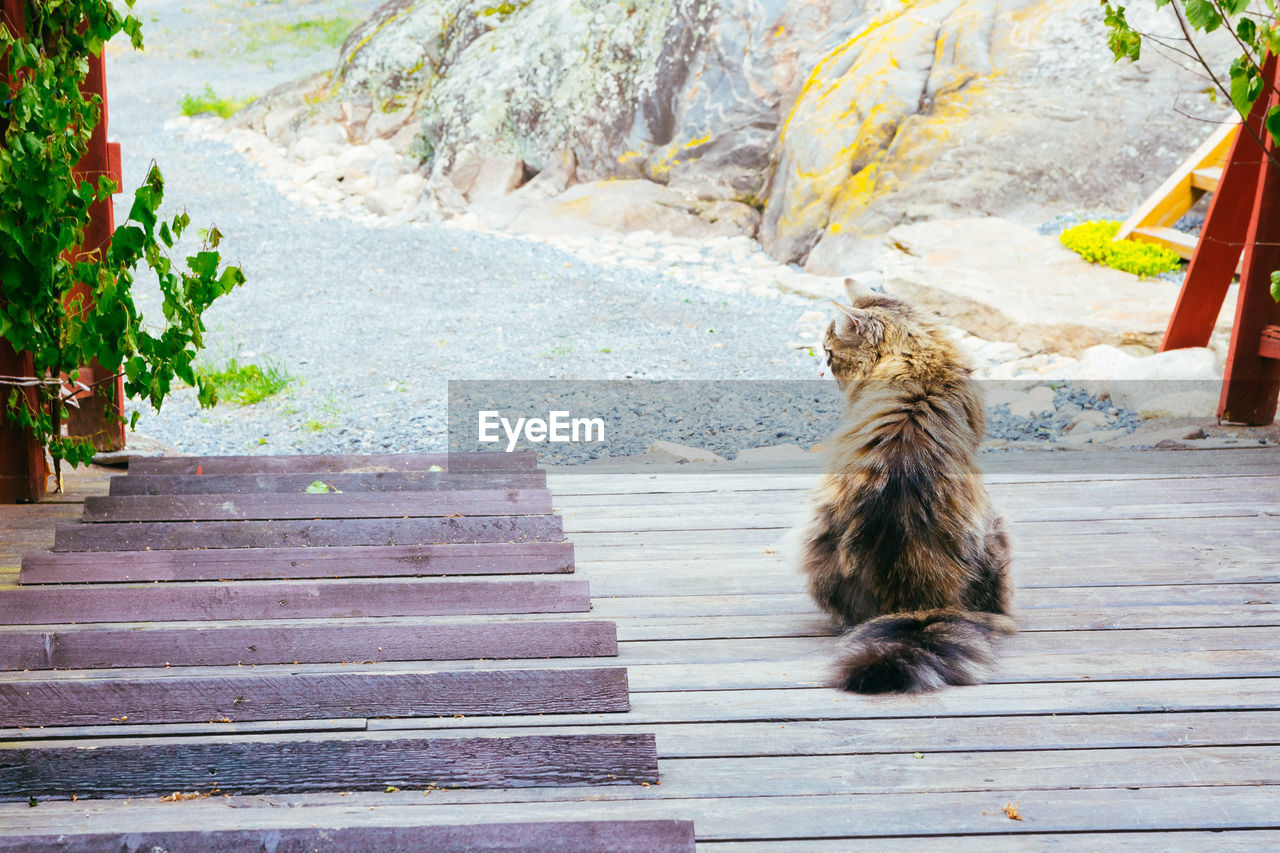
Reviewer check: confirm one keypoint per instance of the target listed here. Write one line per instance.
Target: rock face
(837, 119)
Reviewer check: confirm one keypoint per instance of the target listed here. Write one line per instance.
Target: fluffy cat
(903, 546)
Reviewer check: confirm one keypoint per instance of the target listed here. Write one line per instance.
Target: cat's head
(872, 327)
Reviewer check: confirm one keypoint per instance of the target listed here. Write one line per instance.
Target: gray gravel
(374, 320)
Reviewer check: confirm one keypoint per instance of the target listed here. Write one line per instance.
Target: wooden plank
(304, 696)
(289, 600)
(1179, 242)
(304, 766)
(788, 704)
(737, 818)
(1207, 178)
(813, 624)
(677, 517)
(334, 463)
(289, 506)
(169, 535)
(384, 481)
(657, 836)
(1029, 603)
(371, 763)
(930, 736)
(481, 558)
(91, 648)
(1222, 841)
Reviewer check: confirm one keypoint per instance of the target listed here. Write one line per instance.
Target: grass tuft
(211, 102)
(309, 33)
(246, 384)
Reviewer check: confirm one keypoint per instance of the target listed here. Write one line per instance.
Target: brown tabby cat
(903, 545)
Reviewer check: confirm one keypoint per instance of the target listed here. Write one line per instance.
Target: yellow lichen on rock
(904, 66)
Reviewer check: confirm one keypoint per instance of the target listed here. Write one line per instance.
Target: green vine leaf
(65, 307)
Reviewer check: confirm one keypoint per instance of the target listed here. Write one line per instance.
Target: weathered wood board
(244, 695)
(386, 481)
(303, 765)
(654, 836)
(457, 558)
(232, 645)
(334, 463)
(269, 507)
(306, 534)
(288, 600)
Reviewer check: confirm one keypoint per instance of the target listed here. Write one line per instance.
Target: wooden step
(654, 836)
(1207, 178)
(480, 558)
(335, 463)
(1170, 238)
(309, 765)
(235, 644)
(325, 693)
(297, 599)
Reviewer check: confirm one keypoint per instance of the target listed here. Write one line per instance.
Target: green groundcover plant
(1096, 242)
(68, 308)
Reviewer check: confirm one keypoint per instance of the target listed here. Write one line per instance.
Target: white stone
(410, 184)
(386, 202)
(308, 148)
(357, 157)
(1033, 402)
(1177, 383)
(327, 132)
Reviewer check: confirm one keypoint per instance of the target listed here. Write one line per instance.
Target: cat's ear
(854, 322)
(851, 290)
(851, 319)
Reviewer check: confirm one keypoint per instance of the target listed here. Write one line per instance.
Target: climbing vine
(67, 307)
(1255, 28)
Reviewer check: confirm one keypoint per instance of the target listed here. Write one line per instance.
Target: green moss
(1096, 243)
(210, 102)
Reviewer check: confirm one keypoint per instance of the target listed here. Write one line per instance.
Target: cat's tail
(921, 650)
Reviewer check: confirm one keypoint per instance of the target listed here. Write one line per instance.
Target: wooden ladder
(1153, 221)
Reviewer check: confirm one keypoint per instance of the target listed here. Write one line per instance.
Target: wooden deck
(1138, 708)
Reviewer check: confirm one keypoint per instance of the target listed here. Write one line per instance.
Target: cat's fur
(903, 545)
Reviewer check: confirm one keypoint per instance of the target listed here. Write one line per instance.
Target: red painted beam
(1221, 241)
(1251, 383)
(99, 418)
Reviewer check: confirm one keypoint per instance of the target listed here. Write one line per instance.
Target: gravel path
(373, 320)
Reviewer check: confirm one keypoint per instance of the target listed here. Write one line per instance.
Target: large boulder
(671, 90)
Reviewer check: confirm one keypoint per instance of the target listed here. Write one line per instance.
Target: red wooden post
(23, 472)
(1244, 216)
(1251, 384)
(92, 419)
